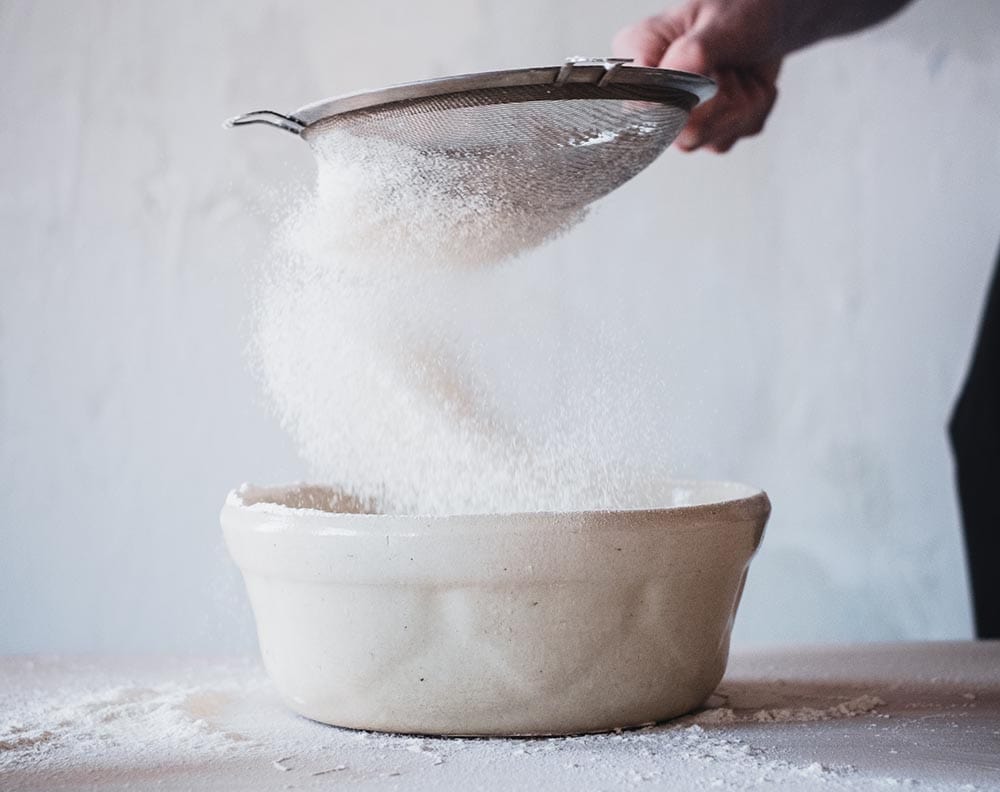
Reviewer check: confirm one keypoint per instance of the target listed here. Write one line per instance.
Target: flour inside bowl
(358, 347)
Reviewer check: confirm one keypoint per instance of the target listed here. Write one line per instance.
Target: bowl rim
(752, 502)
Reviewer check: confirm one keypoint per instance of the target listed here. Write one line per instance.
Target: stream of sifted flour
(357, 345)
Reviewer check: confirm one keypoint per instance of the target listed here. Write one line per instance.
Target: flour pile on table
(109, 725)
(851, 708)
(358, 348)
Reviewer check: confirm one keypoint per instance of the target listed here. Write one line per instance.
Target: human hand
(735, 42)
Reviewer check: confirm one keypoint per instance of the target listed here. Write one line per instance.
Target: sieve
(552, 137)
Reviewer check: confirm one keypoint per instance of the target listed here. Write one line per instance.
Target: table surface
(885, 716)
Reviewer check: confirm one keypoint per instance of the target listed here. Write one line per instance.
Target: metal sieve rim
(611, 72)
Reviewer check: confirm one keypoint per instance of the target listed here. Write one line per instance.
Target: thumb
(688, 53)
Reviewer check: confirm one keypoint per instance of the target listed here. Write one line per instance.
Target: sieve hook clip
(269, 117)
(611, 65)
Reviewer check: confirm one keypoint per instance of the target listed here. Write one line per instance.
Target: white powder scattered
(860, 705)
(65, 727)
(182, 726)
(357, 346)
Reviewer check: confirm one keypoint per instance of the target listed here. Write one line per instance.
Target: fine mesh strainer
(556, 137)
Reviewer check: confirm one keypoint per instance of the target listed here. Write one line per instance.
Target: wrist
(804, 22)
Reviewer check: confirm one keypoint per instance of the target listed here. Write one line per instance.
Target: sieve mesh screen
(538, 147)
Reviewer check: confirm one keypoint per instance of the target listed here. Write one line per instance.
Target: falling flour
(358, 348)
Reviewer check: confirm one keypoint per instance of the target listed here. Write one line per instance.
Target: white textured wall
(810, 299)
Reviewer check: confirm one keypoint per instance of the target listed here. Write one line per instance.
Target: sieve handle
(269, 117)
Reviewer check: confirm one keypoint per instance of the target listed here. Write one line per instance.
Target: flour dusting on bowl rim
(261, 499)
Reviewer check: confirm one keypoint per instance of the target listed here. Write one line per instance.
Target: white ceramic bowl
(501, 624)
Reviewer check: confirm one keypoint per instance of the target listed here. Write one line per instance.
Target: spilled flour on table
(860, 705)
(64, 724)
(359, 350)
(100, 724)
